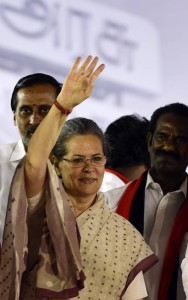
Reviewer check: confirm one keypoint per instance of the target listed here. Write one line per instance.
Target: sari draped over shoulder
(113, 253)
(58, 272)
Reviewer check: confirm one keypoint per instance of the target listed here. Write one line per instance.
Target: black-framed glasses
(96, 161)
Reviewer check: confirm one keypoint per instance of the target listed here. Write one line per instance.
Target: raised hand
(79, 83)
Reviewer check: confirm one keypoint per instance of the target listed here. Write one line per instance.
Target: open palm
(79, 83)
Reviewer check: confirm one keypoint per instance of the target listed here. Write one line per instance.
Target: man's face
(33, 104)
(168, 146)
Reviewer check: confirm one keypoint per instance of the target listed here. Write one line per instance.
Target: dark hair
(179, 109)
(30, 80)
(72, 128)
(126, 142)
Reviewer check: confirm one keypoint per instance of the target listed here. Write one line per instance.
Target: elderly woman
(48, 226)
(112, 251)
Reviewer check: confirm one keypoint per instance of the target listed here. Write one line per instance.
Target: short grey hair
(75, 127)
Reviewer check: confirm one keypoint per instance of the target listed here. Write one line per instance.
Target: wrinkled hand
(79, 83)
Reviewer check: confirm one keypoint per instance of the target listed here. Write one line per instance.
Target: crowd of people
(86, 215)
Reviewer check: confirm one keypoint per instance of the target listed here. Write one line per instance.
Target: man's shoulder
(7, 151)
(8, 146)
(113, 196)
(110, 181)
(117, 191)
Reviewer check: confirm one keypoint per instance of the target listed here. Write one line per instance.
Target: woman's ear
(55, 162)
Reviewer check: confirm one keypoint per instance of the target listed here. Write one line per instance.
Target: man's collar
(18, 152)
(182, 188)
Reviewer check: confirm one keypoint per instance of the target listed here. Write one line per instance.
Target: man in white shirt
(157, 203)
(32, 97)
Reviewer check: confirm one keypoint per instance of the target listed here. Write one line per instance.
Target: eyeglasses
(96, 161)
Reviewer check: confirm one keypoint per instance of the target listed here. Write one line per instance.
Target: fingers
(85, 65)
(75, 65)
(96, 73)
(87, 69)
(91, 67)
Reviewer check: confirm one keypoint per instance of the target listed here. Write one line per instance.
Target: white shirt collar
(183, 187)
(18, 152)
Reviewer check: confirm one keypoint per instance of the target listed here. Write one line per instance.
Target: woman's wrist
(65, 111)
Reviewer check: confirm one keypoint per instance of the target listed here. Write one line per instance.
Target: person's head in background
(168, 143)
(126, 146)
(79, 158)
(32, 97)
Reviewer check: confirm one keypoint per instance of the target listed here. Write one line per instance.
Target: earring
(57, 170)
(59, 175)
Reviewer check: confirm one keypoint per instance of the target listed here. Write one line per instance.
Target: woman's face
(82, 181)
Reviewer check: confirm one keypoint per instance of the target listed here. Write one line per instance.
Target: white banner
(47, 35)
